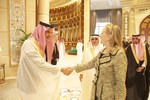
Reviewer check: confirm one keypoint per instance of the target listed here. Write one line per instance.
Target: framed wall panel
(17, 21)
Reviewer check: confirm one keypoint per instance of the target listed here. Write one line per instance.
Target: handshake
(67, 70)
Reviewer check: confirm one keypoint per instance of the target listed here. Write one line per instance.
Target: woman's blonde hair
(116, 35)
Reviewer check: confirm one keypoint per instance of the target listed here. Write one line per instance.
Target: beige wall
(139, 16)
(30, 15)
(136, 2)
(4, 33)
(11, 71)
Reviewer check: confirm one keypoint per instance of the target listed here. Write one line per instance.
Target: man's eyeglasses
(94, 39)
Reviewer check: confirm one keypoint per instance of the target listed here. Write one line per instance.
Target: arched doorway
(145, 28)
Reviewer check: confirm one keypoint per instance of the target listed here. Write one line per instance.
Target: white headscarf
(99, 46)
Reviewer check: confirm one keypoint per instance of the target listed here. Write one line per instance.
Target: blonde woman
(110, 65)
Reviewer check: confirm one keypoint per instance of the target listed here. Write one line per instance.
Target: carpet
(70, 94)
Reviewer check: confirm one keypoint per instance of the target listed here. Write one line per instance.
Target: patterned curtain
(114, 16)
(102, 16)
(93, 22)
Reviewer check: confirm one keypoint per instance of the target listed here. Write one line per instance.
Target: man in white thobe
(36, 78)
(87, 76)
(79, 47)
(61, 49)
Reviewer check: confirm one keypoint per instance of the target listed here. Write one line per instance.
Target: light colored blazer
(109, 81)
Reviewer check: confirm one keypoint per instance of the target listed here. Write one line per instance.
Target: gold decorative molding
(142, 7)
(125, 23)
(126, 3)
(68, 22)
(60, 3)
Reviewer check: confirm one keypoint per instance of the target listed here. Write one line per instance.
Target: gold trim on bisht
(39, 49)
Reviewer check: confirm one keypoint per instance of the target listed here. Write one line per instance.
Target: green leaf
(23, 38)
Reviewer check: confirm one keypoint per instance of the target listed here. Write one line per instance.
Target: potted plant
(16, 47)
(24, 36)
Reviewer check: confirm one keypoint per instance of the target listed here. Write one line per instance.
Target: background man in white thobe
(87, 76)
(79, 48)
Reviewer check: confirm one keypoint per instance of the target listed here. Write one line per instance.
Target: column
(125, 21)
(43, 14)
(132, 22)
(126, 7)
(86, 22)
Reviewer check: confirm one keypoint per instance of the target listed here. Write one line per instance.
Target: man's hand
(67, 70)
(139, 69)
(57, 59)
(81, 77)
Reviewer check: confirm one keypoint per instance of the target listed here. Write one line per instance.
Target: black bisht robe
(137, 84)
(55, 55)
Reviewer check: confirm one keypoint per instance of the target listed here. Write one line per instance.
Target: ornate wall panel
(17, 21)
(125, 25)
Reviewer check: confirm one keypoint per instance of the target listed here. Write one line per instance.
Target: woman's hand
(67, 70)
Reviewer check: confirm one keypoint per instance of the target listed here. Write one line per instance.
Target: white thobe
(79, 52)
(61, 55)
(61, 51)
(36, 79)
(88, 75)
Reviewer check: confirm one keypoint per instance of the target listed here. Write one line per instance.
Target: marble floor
(70, 88)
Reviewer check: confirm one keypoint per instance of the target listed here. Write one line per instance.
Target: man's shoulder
(29, 42)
